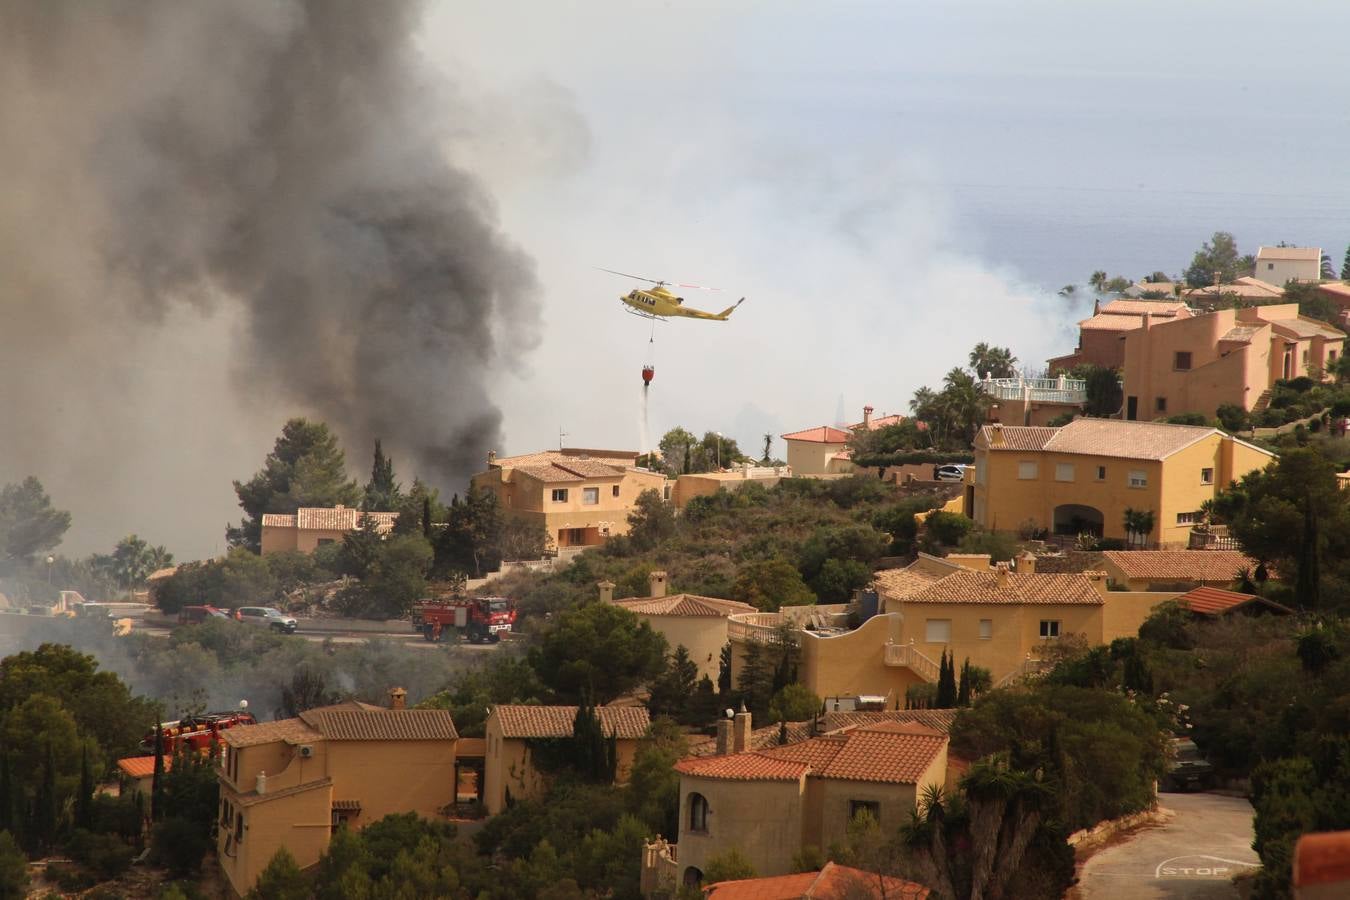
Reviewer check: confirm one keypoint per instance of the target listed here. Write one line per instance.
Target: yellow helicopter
(659, 303)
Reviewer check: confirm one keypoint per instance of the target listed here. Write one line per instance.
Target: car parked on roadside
(950, 472)
(266, 616)
(195, 615)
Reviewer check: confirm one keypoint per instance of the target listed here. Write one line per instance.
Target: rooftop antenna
(561, 435)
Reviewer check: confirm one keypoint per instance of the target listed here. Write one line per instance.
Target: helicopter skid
(642, 315)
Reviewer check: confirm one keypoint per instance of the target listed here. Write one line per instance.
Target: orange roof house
(823, 450)
(832, 882)
(772, 802)
(1158, 570)
(699, 624)
(311, 527)
(1101, 335)
(509, 770)
(1213, 602)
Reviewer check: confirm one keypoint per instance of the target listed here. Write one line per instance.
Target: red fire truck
(477, 618)
(197, 732)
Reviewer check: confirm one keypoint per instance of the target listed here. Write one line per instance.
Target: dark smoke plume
(282, 163)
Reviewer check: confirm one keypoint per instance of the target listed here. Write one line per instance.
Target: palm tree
(964, 402)
(1098, 281)
(768, 445)
(1068, 290)
(996, 362)
(1138, 525)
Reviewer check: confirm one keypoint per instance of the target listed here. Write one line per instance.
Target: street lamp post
(50, 560)
(719, 450)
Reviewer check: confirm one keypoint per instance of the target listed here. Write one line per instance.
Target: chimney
(1026, 563)
(492, 458)
(723, 736)
(1001, 573)
(606, 591)
(1098, 580)
(1148, 320)
(398, 698)
(1097, 307)
(740, 731)
(260, 785)
(656, 582)
(867, 417)
(996, 435)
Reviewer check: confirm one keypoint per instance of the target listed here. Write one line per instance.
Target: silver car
(274, 619)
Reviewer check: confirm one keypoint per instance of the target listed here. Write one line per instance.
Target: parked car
(193, 615)
(950, 472)
(1188, 768)
(266, 616)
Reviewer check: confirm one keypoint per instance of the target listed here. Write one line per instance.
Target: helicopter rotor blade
(699, 287)
(627, 275)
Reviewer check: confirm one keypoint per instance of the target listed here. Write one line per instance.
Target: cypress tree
(946, 687)
(84, 800)
(1345, 266)
(157, 782)
(963, 692)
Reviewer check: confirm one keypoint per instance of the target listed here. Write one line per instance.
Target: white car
(950, 472)
(266, 616)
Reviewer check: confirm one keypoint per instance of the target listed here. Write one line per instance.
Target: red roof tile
(830, 883)
(824, 434)
(684, 605)
(1016, 437)
(984, 587)
(1180, 565)
(893, 753)
(382, 724)
(750, 766)
(142, 766)
(1212, 601)
(528, 721)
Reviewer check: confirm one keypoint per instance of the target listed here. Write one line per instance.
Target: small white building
(1277, 265)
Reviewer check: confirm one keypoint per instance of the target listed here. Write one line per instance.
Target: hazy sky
(888, 183)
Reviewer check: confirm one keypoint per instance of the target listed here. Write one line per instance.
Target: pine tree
(84, 800)
(1345, 266)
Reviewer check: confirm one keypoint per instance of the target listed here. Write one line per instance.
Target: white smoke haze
(221, 215)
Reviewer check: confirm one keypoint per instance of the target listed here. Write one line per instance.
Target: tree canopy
(29, 524)
(1217, 255)
(600, 652)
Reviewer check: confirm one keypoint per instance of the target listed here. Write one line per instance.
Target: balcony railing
(1028, 666)
(1039, 390)
(755, 628)
(908, 655)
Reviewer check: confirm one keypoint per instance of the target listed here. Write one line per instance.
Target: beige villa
(292, 782)
(1181, 570)
(823, 450)
(579, 497)
(699, 624)
(311, 527)
(510, 773)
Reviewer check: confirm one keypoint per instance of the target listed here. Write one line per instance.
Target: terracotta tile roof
(522, 721)
(1245, 286)
(936, 719)
(1125, 440)
(1116, 322)
(1212, 601)
(1164, 308)
(1180, 565)
(348, 805)
(765, 738)
(1322, 859)
(278, 520)
(750, 766)
(340, 518)
(984, 587)
(824, 434)
(1339, 288)
(1305, 327)
(617, 458)
(902, 582)
(685, 605)
(548, 474)
(589, 468)
(382, 725)
(878, 422)
(892, 753)
(1301, 254)
(830, 883)
(252, 798)
(1016, 437)
(142, 766)
(292, 731)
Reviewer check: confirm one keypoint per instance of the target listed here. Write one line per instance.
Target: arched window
(698, 812)
(692, 877)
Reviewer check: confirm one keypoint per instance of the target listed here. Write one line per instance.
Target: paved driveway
(1193, 856)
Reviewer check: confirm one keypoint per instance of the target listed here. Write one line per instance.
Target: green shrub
(106, 855)
(949, 528)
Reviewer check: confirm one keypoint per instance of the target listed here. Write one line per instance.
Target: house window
(615, 489)
(1206, 476)
(238, 827)
(1187, 518)
(1028, 471)
(698, 813)
(938, 631)
(1138, 478)
(560, 495)
(1182, 362)
(1331, 354)
(1305, 357)
(1160, 404)
(986, 629)
(1101, 473)
(1270, 267)
(323, 542)
(572, 537)
(1064, 471)
(1049, 628)
(590, 496)
(871, 808)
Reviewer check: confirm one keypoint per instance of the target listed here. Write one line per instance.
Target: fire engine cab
(477, 618)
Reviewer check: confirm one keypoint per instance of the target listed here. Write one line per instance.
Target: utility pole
(561, 435)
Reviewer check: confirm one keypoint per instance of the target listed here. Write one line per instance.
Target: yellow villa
(699, 624)
(291, 783)
(311, 527)
(510, 773)
(579, 497)
(1083, 476)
